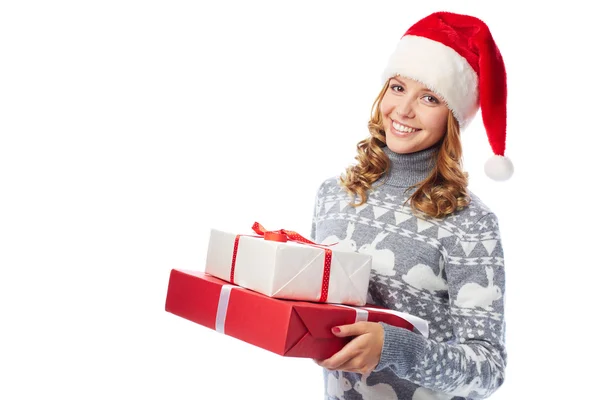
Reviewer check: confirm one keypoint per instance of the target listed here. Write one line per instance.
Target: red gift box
(287, 327)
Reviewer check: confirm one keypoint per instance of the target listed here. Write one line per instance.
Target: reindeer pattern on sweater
(448, 271)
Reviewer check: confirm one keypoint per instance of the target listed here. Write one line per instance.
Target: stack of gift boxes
(280, 291)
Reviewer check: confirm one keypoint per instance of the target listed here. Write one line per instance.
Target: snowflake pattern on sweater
(448, 271)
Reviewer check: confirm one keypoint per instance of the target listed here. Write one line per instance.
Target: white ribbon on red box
(362, 313)
(222, 308)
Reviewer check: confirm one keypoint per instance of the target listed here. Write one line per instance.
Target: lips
(403, 130)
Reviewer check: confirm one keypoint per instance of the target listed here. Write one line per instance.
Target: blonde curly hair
(441, 193)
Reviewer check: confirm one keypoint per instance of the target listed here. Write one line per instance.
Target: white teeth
(402, 128)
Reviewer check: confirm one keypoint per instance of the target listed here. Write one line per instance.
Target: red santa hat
(456, 57)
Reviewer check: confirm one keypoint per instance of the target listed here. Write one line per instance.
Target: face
(414, 118)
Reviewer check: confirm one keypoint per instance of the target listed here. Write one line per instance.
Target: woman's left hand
(362, 353)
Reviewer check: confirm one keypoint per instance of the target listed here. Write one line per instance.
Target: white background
(130, 128)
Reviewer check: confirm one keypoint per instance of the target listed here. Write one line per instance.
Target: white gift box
(289, 270)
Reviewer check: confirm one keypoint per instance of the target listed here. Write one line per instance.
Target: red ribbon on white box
(283, 235)
(362, 313)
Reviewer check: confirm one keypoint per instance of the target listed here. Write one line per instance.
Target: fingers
(340, 358)
(362, 353)
(355, 364)
(352, 355)
(355, 329)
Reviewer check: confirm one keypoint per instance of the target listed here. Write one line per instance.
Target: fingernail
(335, 329)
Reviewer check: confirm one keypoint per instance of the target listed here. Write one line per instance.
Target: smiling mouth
(403, 128)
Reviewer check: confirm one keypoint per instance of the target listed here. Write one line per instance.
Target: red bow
(280, 235)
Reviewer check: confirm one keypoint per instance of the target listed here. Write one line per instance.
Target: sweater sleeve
(473, 363)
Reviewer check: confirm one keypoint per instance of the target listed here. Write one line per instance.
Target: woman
(436, 248)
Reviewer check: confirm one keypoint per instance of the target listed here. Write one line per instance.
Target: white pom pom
(499, 168)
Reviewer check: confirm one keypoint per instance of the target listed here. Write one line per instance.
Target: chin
(400, 149)
(398, 146)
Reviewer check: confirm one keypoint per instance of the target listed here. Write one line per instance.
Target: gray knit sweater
(447, 271)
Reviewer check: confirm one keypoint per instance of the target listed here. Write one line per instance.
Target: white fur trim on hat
(499, 168)
(441, 69)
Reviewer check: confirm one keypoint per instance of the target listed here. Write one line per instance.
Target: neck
(409, 169)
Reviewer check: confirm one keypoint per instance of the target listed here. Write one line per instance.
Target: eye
(431, 99)
(397, 88)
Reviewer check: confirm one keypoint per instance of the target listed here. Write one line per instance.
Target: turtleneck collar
(409, 169)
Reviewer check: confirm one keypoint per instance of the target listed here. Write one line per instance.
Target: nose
(404, 108)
